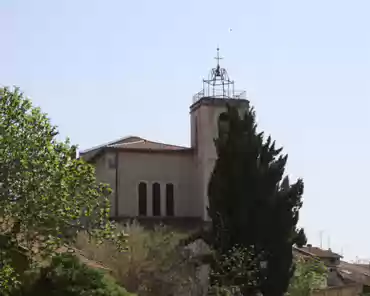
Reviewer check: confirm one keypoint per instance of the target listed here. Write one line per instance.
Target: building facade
(152, 180)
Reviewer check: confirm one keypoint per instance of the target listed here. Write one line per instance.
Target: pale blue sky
(106, 69)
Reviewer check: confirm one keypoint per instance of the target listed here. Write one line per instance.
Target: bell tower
(205, 113)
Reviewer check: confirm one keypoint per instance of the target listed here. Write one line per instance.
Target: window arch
(156, 191)
(170, 203)
(142, 192)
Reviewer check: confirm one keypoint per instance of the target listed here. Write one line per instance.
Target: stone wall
(349, 290)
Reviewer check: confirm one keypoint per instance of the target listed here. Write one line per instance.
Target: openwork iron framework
(219, 84)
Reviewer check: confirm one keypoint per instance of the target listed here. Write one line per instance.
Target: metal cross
(218, 58)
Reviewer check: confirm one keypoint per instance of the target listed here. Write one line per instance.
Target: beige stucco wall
(190, 173)
(204, 126)
(204, 122)
(106, 175)
(163, 168)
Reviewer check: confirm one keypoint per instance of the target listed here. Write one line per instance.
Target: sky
(107, 69)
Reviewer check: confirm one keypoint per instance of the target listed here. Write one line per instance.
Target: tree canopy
(67, 276)
(310, 274)
(252, 203)
(47, 195)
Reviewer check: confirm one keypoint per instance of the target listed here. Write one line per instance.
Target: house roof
(318, 252)
(132, 143)
(127, 139)
(355, 272)
(303, 254)
(146, 144)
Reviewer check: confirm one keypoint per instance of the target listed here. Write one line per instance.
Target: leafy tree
(252, 205)
(67, 276)
(310, 274)
(230, 271)
(47, 195)
(8, 279)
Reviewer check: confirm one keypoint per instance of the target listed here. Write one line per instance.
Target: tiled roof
(355, 272)
(140, 143)
(298, 252)
(320, 252)
(132, 143)
(121, 140)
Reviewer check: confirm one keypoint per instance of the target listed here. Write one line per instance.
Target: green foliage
(46, 195)
(152, 265)
(310, 274)
(252, 205)
(8, 279)
(66, 276)
(234, 271)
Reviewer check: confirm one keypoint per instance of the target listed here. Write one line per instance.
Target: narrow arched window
(142, 191)
(156, 199)
(170, 203)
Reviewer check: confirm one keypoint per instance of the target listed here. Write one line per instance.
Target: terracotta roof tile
(134, 142)
(355, 273)
(128, 139)
(320, 252)
(145, 144)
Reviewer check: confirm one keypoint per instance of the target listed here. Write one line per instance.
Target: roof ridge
(129, 143)
(108, 144)
(162, 143)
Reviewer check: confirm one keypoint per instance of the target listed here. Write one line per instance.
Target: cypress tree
(252, 204)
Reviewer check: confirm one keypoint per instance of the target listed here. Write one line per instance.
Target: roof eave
(103, 150)
(148, 150)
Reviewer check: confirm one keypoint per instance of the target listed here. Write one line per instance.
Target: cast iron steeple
(219, 84)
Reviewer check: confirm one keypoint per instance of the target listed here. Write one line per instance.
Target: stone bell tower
(205, 114)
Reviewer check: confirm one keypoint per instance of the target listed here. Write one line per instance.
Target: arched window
(170, 203)
(142, 190)
(223, 124)
(156, 199)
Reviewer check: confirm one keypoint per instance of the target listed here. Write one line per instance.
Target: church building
(167, 183)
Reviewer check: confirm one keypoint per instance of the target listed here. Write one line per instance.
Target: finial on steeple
(218, 58)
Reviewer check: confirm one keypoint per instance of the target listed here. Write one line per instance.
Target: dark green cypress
(252, 205)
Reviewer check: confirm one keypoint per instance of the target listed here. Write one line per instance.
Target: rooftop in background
(318, 252)
(355, 273)
(219, 85)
